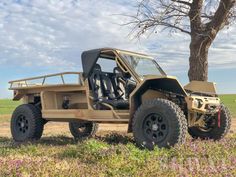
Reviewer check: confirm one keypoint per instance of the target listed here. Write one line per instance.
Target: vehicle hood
(201, 87)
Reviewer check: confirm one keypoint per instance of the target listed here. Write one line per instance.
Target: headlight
(197, 103)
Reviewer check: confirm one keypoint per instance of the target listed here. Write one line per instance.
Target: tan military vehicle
(118, 86)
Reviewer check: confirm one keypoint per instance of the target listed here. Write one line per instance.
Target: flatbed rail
(42, 80)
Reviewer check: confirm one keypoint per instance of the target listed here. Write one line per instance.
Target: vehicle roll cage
(89, 59)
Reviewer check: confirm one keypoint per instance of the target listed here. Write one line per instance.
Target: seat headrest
(97, 67)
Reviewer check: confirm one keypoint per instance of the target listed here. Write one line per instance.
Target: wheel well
(37, 100)
(33, 99)
(165, 88)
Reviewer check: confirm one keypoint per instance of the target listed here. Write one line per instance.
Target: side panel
(54, 100)
(86, 114)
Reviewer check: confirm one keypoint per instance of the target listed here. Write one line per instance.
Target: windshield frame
(144, 57)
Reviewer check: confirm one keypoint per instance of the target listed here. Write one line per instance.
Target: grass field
(116, 155)
(230, 102)
(111, 153)
(7, 106)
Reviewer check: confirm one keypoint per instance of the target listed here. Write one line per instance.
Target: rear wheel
(159, 123)
(27, 123)
(213, 129)
(83, 129)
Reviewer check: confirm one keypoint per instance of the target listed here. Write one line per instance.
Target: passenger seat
(111, 95)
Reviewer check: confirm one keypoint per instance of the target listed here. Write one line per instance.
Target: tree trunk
(198, 60)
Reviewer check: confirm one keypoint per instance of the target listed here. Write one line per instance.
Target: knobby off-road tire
(82, 129)
(159, 123)
(215, 132)
(27, 123)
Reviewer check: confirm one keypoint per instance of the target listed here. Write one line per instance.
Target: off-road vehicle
(118, 86)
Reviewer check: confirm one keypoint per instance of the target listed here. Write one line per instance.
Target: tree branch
(221, 15)
(182, 2)
(173, 14)
(195, 15)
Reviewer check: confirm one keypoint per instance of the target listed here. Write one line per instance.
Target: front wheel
(159, 123)
(83, 129)
(215, 129)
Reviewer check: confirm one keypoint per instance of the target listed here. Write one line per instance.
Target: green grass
(7, 106)
(230, 102)
(62, 156)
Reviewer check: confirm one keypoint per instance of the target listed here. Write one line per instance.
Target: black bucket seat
(105, 89)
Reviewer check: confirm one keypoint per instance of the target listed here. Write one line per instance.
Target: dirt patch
(60, 128)
(56, 128)
(5, 116)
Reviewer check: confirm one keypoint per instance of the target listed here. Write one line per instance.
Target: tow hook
(219, 112)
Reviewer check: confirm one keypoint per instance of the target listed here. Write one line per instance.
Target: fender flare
(168, 84)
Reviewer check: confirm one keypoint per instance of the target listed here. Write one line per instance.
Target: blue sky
(48, 36)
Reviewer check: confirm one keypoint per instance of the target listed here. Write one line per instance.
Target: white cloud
(52, 34)
(56, 32)
(41, 32)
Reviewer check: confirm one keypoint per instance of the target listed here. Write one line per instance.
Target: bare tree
(201, 19)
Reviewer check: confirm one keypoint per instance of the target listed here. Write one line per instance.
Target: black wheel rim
(22, 124)
(82, 128)
(155, 127)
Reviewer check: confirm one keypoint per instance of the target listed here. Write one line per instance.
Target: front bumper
(205, 105)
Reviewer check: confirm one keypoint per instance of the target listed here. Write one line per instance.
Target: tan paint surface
(199, 86)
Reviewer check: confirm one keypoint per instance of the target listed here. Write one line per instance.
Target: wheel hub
(155, 127)
(22, 124)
